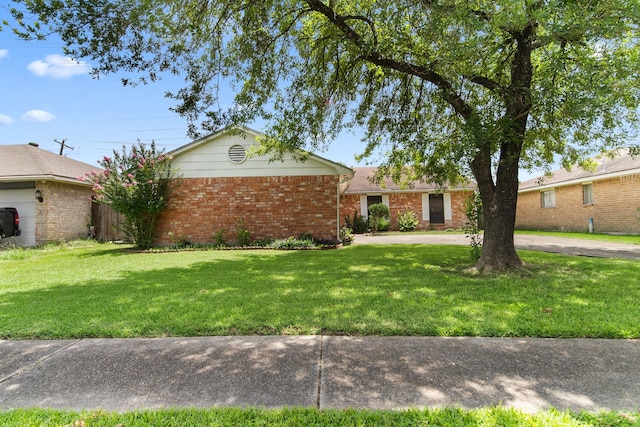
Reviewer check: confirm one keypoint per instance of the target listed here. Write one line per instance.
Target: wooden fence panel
(107, 222)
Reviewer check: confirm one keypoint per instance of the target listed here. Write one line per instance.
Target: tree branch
(370, 54)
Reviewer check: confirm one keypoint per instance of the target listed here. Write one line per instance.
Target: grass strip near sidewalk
(312, 417)
(104, 291)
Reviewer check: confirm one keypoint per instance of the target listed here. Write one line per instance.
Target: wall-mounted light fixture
(39, 196)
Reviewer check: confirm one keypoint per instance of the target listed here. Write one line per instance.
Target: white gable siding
(210, 159)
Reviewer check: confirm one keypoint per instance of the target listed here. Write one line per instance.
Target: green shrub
(291, 243)
(377, 213)
(358, 224)
(407, 221)
(243, 235)
(346, 235)
(262, 243)
(219, 237)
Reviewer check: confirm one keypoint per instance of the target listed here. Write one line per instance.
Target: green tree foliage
(451, 88)
(138, 184)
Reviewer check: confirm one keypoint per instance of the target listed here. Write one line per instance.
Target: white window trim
(363, 206)
(425, 207)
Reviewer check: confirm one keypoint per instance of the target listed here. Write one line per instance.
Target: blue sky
(47, 97)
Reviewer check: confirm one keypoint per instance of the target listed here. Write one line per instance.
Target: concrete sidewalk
(322, 372)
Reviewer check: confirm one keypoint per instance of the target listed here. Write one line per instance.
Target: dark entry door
(436, 208)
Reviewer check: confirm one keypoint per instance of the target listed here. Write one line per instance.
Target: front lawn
(95, 290)
(488, 417)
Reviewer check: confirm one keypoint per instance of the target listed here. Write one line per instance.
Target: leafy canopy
(426, 80)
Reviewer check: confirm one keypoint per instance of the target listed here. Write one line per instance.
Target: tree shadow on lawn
(414, 290)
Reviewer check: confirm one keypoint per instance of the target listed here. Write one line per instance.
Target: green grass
(105, 291)
(312, 417)
(617, 238)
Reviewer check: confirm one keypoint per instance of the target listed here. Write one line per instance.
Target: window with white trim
(587, 194)
(548, 199)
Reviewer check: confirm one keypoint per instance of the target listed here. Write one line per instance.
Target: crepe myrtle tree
(138, 184)
(441, 89)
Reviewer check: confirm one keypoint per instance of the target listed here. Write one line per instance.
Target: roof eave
(43, 178)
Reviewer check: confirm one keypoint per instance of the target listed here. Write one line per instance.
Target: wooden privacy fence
(107, 222)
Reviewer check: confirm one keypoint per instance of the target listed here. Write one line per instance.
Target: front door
(436, 208)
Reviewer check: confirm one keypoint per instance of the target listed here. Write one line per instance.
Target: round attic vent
(237, 153)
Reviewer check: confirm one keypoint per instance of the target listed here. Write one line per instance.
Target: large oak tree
(477, 88)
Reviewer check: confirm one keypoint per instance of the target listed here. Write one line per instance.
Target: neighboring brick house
(436, 207)
(222, 184)
(605, 200)
(63, 209)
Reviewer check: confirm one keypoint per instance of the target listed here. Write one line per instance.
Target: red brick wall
(614, 209)
(402, 202)
(271, 207)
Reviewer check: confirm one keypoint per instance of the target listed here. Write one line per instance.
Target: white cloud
(5, 120)
(4, 53)
(38, 116)
(58, 67)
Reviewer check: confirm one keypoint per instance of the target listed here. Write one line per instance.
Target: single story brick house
(436, 207)
(53, 203)
(223, 185)
(603, 200)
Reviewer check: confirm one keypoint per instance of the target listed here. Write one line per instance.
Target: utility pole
(62, 145)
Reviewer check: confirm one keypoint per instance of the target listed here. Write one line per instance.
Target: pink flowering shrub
(138, 184)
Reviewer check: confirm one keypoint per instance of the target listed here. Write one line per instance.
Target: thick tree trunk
(499, 209)
(498, 248)
(499, 200)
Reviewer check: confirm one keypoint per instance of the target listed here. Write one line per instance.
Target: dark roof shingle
(361, 183)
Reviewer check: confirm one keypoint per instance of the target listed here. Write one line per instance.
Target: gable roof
(361, 183)
(27, 162)
(340, 169)
(622, 164)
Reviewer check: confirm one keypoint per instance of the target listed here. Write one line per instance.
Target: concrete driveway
(562, 245)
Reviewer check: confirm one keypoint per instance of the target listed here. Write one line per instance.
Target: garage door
(24, 201)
